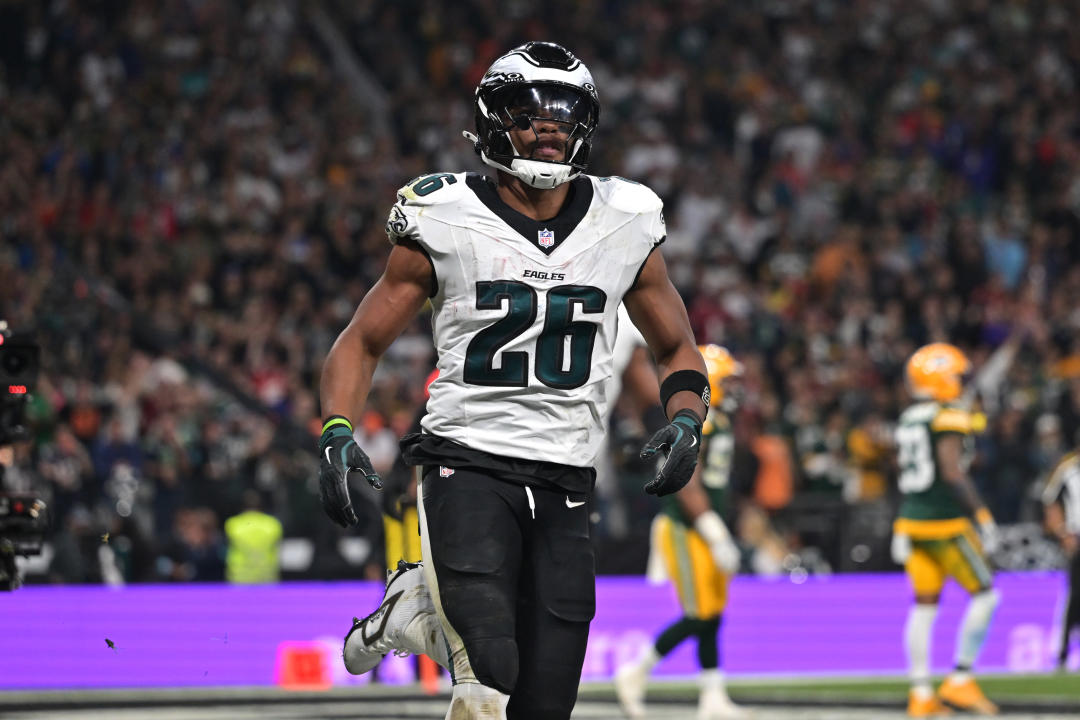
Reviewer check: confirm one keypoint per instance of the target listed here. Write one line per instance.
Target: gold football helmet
(720, 366)
(936, 372)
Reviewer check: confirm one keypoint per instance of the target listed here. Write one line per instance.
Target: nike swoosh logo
(328, 455)
(380, 616)
(570, 504)
(693, 441)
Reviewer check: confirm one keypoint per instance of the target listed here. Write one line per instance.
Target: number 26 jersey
(525, 312)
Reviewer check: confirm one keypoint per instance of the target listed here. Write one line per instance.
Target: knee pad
(494, 662)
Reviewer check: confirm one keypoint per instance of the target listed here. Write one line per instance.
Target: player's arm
(950, 457)
(658, 312)
(382, 315)
(1054, 521)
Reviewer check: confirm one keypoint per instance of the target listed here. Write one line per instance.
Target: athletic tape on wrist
(681, 380)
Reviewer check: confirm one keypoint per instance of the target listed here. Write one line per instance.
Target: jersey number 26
(561, 335)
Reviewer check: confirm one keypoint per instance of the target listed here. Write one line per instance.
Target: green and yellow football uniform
(944, 542)
(701, 585)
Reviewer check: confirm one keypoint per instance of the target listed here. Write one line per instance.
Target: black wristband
(681, 380)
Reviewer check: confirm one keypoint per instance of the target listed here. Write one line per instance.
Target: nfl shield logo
(445, 471)
(545, 238)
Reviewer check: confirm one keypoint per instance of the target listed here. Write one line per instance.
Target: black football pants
(511, 570)
(1072, 609)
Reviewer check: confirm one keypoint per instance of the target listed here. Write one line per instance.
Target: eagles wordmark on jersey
(524, 311)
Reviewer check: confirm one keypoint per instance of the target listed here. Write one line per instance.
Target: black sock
(674, 634)
(709, 643)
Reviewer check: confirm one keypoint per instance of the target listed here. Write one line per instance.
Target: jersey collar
(544, 235)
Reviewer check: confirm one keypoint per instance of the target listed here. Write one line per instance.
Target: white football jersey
(525, 313)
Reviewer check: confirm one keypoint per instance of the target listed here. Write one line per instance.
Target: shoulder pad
(627, 195)
(950, 419)
(919, 413)
(432, 189)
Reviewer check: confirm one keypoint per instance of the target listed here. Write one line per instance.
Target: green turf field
(1060, 688)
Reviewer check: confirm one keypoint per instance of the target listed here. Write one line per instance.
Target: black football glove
(338, 454)
(680, 440)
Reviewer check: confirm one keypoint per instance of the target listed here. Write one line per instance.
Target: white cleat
(714, 704)
(400, 624)
(630, 683)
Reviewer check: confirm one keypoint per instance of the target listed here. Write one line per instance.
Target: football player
(933, 537)
(1061, 503)
(525, 275)
(699, 554)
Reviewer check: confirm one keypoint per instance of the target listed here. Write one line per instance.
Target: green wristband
(335, 420)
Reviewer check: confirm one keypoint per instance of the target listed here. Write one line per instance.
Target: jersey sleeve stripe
(950, 420)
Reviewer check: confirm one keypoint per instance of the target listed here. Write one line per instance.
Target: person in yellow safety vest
(254, 544)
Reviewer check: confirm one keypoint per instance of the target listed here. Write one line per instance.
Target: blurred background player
(699, 554)
(933, 536)
(1061, 499)
(401, 524)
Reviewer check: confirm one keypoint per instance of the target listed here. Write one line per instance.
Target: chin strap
(535, 173)
(473, 139)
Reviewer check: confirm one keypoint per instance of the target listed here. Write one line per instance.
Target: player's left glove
(680, 440)
(338, 454)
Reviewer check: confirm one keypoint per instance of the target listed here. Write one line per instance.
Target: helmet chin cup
(535, 173)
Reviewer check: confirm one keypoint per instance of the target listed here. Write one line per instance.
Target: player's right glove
(724, 551)
(680, 440)
(338, 454)
(989, 535)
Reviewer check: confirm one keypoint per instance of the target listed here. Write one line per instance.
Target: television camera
(23, 521)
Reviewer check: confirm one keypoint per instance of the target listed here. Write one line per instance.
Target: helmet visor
(560, 104)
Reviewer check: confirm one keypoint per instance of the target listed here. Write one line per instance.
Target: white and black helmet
(538, 80)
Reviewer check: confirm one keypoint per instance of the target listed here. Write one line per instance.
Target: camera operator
(22, 512)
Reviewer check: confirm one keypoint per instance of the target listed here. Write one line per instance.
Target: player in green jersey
(699, 555)
(933, 537)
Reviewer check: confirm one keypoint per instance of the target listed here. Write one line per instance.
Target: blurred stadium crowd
(192, 198)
